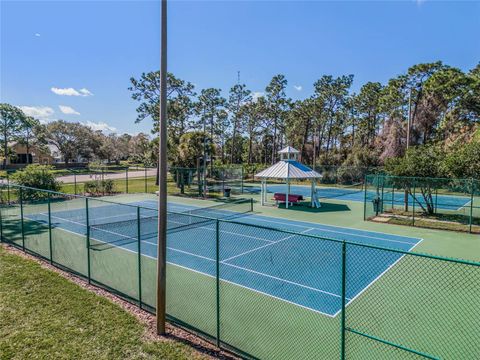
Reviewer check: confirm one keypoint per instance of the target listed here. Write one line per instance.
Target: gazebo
(287, 169)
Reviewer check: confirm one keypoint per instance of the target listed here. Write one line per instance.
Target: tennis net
(202, 216)
(334, 192)
(128, 230)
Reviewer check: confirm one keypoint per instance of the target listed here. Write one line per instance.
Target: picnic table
(282, 198)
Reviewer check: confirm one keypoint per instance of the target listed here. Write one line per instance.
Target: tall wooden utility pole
(162, 187)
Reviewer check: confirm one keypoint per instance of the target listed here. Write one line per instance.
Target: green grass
(45, 316)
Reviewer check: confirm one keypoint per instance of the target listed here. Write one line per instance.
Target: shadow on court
(326, 207)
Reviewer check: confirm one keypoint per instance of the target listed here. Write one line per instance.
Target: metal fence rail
(443, 203)
(415, 305)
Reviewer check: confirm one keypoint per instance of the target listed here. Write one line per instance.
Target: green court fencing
(438, 203)
(345, 174)
(216, 181)
(419, 306)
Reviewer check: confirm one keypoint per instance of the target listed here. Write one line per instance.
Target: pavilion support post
(312, 190)
(288, 193)
(262, 192)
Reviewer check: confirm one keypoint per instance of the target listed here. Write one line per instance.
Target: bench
(282, 198)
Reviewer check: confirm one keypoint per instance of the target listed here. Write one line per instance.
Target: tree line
(430, 103)
(73, 140)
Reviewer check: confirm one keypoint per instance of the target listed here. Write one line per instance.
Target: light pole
(162, 181)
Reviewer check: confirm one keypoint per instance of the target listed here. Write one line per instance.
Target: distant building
(35, 155)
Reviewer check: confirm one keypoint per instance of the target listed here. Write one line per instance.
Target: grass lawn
(44, 315)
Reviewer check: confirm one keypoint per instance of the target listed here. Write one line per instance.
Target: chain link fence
(262, 292)
(438, 203)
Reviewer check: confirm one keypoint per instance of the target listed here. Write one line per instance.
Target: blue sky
(73, 60)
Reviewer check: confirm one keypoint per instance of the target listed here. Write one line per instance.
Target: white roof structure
(288, 169)
(289, 150)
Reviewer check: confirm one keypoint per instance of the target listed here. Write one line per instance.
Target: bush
(38, 177)
(99, 187)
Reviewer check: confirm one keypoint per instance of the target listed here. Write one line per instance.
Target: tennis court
(294, 268)
(356, 193)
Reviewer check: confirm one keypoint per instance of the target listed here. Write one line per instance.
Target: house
(35, 154)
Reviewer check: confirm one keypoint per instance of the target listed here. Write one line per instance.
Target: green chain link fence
(438, 203)
(421, 306)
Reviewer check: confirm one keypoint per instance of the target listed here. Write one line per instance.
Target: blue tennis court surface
(445, 202)
(294, 268)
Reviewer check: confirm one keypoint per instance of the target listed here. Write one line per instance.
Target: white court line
(377, 278)
(254, 290)
(261, 247)
(341, 232)
(257, 273)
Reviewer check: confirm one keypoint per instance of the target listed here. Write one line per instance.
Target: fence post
(471, 206)
(365, 199)
(103, 181)
(241, 184)
(87, 223)
(75, 182)
(21, 218)
(344, 289)
(217, 276)
(146, 179)
(8, 188)
(139, 249)
(1, 220)
(126, 180)
(413, 203)
(50, 229)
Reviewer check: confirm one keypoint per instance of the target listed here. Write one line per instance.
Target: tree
(330, 97)
(464, 162)
(180, 107)
(368, 111)
(277, 106)
(191, 148)
(209, 107)
(12, 121)
(71, 139)
(238, 96)
(420, 162)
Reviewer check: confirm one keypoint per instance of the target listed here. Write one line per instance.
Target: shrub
(97, 187)
(38, 177)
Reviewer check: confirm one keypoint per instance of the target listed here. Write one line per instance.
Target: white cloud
(68, 110)
(85, 92)
(100, 126)
(256, 95)
(41, 113)
(37, 34)
(298, 87)
(71, 92)
(420, 2)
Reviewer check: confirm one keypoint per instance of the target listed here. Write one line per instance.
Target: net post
(21, 218)
(251, 204)
(217, 276)
(344, 287)
(471, 206)
(50, 228)
(139, 259)
(88, 242)
(126, 180)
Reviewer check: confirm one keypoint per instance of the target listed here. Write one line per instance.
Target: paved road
(87, 177)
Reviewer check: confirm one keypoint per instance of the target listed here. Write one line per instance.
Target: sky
(73, 60)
